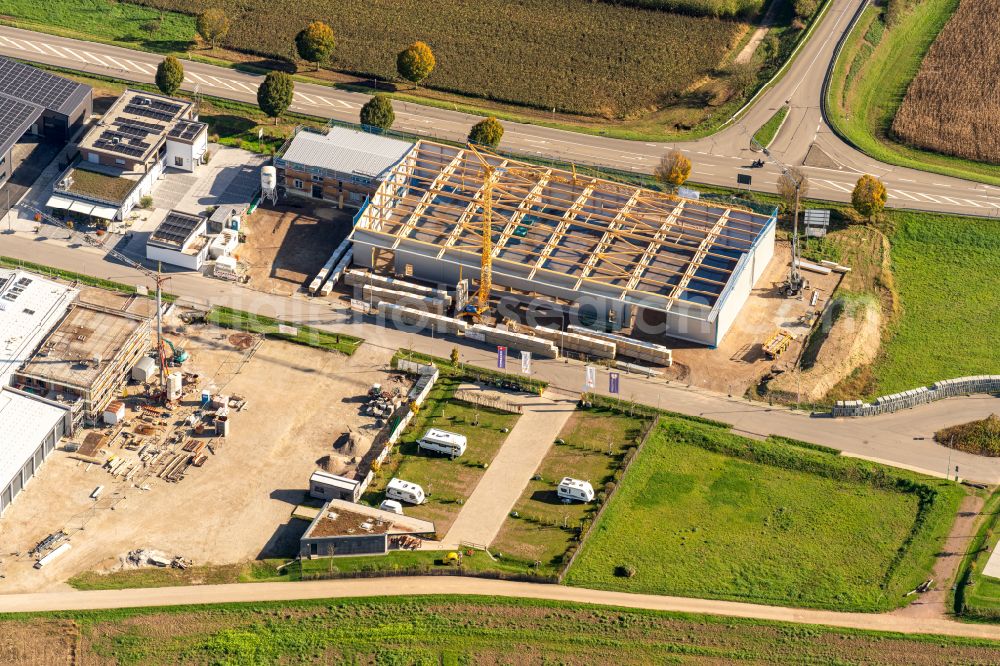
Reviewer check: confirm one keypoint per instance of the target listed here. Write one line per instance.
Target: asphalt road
(717, 159)
(410, 586)
(902, 439)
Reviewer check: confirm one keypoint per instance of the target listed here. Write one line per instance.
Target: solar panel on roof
(176, 228)
(34, 85)
(15, 117)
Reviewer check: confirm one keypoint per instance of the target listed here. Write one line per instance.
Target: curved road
(717, 159)
(410, 586)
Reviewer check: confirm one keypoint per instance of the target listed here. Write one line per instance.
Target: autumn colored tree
(869, 196)
(673, 169)
(212, 25)
(486, 133)
(274, 95)
(315, 43)
(377, 112)
(169, 75)
(415, 63)
(786, 186)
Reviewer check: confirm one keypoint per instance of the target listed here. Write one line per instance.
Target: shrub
(274, 95)
(674, 169)
(378, 112)
(146, 202)
(487, 133)
(623, 571)
(169, 75)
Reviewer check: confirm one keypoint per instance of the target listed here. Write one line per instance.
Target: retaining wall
(947, 388)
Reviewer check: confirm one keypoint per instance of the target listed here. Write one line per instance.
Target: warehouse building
(30, 307)
(344, 528)
(36, 103)
(86, 359)
(124, 154)
(31, 427)
(613, 256)
(342, 165)
(179, 240)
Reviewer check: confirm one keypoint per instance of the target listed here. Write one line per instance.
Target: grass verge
(454, 630)
(70, 276)
(765, 135)
(304, 335)
(473, 373)
(706, 513)
(977, 596)
(869, 81)
(244, 572)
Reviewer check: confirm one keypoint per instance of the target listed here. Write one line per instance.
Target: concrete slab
(526, 446)
(992, 568)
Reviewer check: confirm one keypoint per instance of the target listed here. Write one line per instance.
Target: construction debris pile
(382, 402)
(142, 557)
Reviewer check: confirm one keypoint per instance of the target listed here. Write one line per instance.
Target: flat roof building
(30, 307)
(341, 165)
(344, 528)
(33, 101)
(87, 358)
(30, 429)
(618, 255)
(124, 153)
(180, 240)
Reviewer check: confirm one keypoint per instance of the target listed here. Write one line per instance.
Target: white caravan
(441, 441)
(404, 491)
(571, 490)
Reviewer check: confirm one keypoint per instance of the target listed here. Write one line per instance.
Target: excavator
(177, 356)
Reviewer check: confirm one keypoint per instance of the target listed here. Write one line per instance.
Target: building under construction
(609, 255)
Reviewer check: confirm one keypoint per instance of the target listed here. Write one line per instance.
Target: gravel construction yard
(235, 508)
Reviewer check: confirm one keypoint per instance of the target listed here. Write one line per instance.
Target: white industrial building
(31, 428)
(180, 240)
(30, 307)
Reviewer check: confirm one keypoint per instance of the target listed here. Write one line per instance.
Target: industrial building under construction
(610, 255)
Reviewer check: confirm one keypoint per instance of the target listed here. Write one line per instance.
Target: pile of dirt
(979, 437)
(852, 341)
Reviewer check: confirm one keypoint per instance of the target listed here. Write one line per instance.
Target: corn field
(571, 55)
(953, 104)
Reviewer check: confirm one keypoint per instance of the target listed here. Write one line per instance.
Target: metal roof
(24, 421)
(346, 151)
(15, 119)
(30, 306)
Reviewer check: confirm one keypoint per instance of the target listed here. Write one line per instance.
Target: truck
(441, 441)
(404, 491)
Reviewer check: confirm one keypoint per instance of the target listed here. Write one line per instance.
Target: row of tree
(316, 44)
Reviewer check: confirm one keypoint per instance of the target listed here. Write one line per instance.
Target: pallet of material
(834, 266)
(577, 343)
(356, 278)
(539, 347)
(411, 317)
(194, 447)
(815, 268)
(776, 345)
(631, 348)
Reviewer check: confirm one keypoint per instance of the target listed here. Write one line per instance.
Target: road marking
(950, 200)
(199, 79)
(117, 64)
(33, 47)
(927, 196)
(905, 194)
(79, 55)
(976, 204)
(242, 85)
(906, 180)
(97, 60)
(221, 82)
(941, 185)
(141, 66)
(837, 186)
(307, 98)
(12, 42)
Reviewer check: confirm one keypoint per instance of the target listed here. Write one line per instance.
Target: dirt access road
(410, 586)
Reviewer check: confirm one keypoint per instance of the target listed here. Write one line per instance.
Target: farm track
(437, 585)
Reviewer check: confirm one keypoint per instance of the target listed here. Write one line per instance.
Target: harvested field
(571, 55)
(953, 103)
(450, 630)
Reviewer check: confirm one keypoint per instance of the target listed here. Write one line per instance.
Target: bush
(487, 133)
(378, 112)
(623, 571)
(146, 202)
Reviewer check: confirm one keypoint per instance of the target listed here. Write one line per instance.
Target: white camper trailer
(575, 490)
(404, 491)
(392, 506)
(441, 441)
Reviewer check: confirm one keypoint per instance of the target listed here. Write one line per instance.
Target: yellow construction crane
(486, 260)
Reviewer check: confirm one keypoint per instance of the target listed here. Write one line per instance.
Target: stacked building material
(324, 273)
(356, 278)
(412, 317)
(578, 343)
(637, 349)
(376, 295)
(539, 347)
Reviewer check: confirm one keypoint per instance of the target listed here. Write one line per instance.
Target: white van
(404, 491)
(571, 490)
(441, 441)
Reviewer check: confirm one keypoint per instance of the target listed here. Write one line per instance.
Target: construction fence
(948, 388)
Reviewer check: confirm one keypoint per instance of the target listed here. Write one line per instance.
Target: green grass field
(452, 631)
(595, 444)
(947, 273)
(861, 104)
(977, 596)
(706, 513)
(448, 483)
(304, 335)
